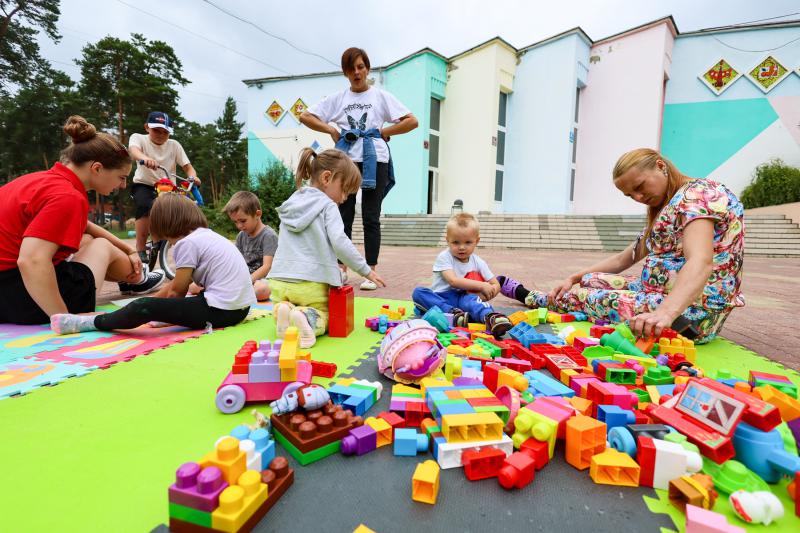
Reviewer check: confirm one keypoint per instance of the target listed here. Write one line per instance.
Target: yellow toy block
(287, 357)
(517, 317)
(432, 382)
(679, 380)
(362, 529)
(477, 351)
(530, 424)
(289, 374)
(425, 482)
(383, 429)
(455, 349)
(237, 503)
(304, 355)
(646, 362)
(566, 373)
(480, 335)
(228, 458)
(391, 315)
(452, 367)
(474, 326)
(476, 393)
(470, 427)
(533, 317)
(513, 379)
(553, 318)
(655, 396)
(346, 382)
(397, 388)
(788, 406)
(582, 405)
(571, 337)
(613, 467)
(679, 344)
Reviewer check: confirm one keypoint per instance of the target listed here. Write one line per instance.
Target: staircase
(766, 235)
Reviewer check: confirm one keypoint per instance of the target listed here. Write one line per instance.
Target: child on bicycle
(209, 259)
(155, 149)
(310, 239)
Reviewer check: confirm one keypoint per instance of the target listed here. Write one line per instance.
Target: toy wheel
(230, 399)
(622, 440)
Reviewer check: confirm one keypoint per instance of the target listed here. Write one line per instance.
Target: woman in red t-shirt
(51, 257)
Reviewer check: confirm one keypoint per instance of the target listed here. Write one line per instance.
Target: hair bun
(79, 129)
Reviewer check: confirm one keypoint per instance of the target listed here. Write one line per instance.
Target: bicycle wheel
(165, 259)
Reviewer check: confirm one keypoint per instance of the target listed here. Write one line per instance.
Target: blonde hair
(243, 201)
(463, 221)
(313, 164)
(174, 216)
(647, 159)
(90, 145)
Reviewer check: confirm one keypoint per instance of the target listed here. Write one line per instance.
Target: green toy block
(621, 376)
(679, 438)
(430, 430)
(626, 332)
(597, 352)
(373, 390)
(542, 314)
(452, 367)
(643, 395)
(723, 373)
(478, 351)
(660, 375)
(646, 362)
(447, 338)
(732, 476)
(499, 410)
(789, 442)
(491, 349)
(310, 457)
(188, 514)
(618, 342)
(527, 396)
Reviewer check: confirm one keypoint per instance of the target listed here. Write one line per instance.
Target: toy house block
(197, 488)
(227, 456)
(782, 383)
(239, 502)
(360, 440)
(585, 438)
(530, 424)
(697, 490)
(678, 345)
(383, 430)
(555, 363)
(341, 311)
(540, 384)
(472, 427)
(482, 464)
(518, 471)
(612, 467)
(407, 442)
(757, 412)
(425, 482)
(712, 444)
(699, 520)
(788, 407)
(264, 368)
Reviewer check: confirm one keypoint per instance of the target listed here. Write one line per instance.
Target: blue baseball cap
(159, 119)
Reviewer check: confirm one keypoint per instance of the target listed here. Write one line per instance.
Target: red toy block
(642, 417)
(517, 472)
(505, 349)
(393, 419)
(599, 331)
(341, 310)
(415, 412)
(669, 333)
(464, 343)
(520, 365)
(557, 362)
(520, 352)
(538, 450)
(322, 369)
(758, 413)
(646, 457)
(483, 464)
(491, 373)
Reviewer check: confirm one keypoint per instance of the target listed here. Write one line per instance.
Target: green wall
(413, 82)
(259, 156)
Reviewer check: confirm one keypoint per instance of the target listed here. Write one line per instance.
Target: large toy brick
(541, 384)
(407, 442)
(530, 424)
(612, 467)
(525, 334)
(360, 440)
(712, 444)
(610, 394)
(678, 345)
(585, 438)
(614, 415)
(699, 520)
(599, 331)
(450, 455)
(782, 383)
(264, 368)
(555, 408)
(757, 413)
(425, 482)
(197, 488)
(303, 430)
(788, 407)
(537, 450)
(659, 375)
(228, 458)
(383, 430)
(697, 490)
(482, 464)
(646, 362)
(472, 427)
(518, 471)
(239, 502)
(341, 311)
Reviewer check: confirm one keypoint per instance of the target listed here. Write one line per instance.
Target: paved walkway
(767, 325)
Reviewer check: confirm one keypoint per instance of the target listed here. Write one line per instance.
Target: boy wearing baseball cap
(155, 149)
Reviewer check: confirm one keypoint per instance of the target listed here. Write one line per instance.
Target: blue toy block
(666, 389)
(407, 442)
(383, 323)
(579, 317)
(436, 442)
(435, 317)
(241, 432)
(526, 334)
(470, 363)
(552, 339)
(614, 415)
(596, 363)
(763, 453)
(360, 402)
(540, 384)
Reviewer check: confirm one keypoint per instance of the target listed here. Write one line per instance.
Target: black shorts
(143, 198)
(75, 283)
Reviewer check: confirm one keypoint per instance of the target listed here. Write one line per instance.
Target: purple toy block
(794, 425)
(397, 405)
(264, 368)
(196, 488)
(361, 440)
(461, 381)
(577, 382)
(601, 322)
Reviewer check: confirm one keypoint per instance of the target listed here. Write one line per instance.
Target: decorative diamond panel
(720, 76)
(768, 74)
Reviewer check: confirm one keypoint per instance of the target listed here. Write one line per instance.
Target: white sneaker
(368, 285)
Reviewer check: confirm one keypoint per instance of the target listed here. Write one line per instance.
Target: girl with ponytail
(310, 240)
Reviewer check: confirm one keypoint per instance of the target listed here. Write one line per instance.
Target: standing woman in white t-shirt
(355, 118)
(155, 149)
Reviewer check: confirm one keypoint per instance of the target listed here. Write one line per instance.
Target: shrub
(773, 183)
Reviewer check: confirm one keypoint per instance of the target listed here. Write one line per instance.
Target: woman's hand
(334, 134)
(650, 325)
(136, 265)
(559, 290)
(376, 279)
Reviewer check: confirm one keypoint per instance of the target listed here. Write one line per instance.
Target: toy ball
(758, 507)
(410, 352)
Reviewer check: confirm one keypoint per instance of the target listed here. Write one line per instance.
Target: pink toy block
(699, 520)
(197, 488)
(580, 383)
(581, 343)
(554, 408)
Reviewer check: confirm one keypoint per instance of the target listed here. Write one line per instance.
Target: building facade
(537, 130)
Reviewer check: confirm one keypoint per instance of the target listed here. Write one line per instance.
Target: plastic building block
(525, 334)
(197, 488)
(782, 383)
(538, 450)
(678, 345)
(733, 476)
(763, 453)
(363, 529)
(482, 464)
(660, 375)
(472, 427)
(383, 430)
(614, 415)
(393, 419)
(757, 412)
(536, 425)
(450, 455)
(699, 520)
(517, 317)
(787, 405)
(393, 315)
(614, 468)
(541, 384)
(313, 430)
(227, 456)
(697, 490)
(435, 317)
(610, 394)
(598, 331)
(341, 311)
(618, 342)
(585, 438)
(322, 369)
(407, 442)
(555, 408)
(360, 440)
(712, 444)
(581, 343)
(357, 396)
(581, 405)
(756, 507)
(239, 502)
(425, 482)
(518, 471)
(661, 461)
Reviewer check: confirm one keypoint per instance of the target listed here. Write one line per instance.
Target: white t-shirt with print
(365, 110)
(446, 261)
(168, 155)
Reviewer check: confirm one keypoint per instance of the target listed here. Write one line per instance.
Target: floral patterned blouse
(699, 198)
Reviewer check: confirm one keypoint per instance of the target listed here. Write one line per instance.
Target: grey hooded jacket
(310, 239)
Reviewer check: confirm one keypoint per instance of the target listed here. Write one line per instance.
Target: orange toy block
(425, 482)
(586, 437)
(788, 406)
(228, 458)
(382, 428)
(613, 467)
(237, 503)
(518, 317)
(582, 405)
(512, 378)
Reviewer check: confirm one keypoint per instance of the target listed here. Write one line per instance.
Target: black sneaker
(152, 281)
(125, 287)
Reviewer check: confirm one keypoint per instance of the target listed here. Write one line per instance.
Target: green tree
(20, 22)
(231, 152)
(121, 81)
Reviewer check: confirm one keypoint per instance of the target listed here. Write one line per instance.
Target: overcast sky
(388, 30)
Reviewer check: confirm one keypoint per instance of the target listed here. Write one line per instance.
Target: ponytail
(312, 164)
(303, 173)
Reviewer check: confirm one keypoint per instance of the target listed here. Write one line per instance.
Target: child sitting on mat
(209, 259)
(310, 239)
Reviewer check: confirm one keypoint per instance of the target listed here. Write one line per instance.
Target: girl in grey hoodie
(310, 240)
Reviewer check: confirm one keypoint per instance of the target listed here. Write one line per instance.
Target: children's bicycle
(158, 252)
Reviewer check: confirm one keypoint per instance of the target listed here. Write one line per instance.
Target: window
(433, 154)
(573, 137)
(501, 147)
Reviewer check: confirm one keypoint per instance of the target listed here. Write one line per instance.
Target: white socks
(64, 324)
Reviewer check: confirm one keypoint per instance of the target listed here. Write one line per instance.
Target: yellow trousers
(310, 297)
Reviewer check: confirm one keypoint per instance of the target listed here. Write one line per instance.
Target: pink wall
(620, 109)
